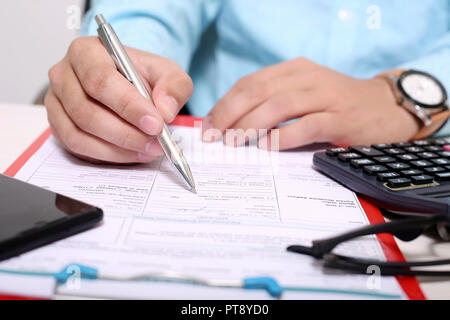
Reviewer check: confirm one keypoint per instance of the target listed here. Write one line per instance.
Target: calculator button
(394, 151)
(421, 164)
(335, 151)
(415, 149)
(422, 179)
(408, 157)
(447, 147)
(445, 154)
(399, 166)
(359, 163)
(412, 172)
(385, 176)
(367, 151)
(444, 176)
(385, 159)
(373, 170)
(348, 156)
(434, 170)
(428, 155)
(440, 142)
(441, 161)
(402, 145)
(399, 182)
(381, 146)
(433, 148)
(421, 143)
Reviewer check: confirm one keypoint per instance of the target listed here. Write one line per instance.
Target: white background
(34, 35)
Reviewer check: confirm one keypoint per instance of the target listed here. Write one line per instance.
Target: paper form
(251, 204)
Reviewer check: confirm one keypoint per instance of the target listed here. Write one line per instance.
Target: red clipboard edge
(10, 297)
(27, 154)
(410, 285)
(186, 121)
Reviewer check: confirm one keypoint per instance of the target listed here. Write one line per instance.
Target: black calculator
(408, 177)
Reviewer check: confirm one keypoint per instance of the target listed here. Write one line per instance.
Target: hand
(98, 115)
(329, 107)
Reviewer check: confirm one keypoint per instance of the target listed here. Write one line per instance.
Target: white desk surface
(20, 125)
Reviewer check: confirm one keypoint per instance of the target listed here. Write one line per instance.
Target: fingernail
(153, 148)
(207, 124)
(150, 125)
(148, 148)
(144, 157)
(264, 143)
(171, 105)
(210, 134)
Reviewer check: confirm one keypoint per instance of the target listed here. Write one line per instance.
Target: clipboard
(409, 285)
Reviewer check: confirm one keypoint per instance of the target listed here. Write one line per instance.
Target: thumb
(172, 87)
(171, 92)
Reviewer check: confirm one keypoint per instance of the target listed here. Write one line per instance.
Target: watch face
(423, 89)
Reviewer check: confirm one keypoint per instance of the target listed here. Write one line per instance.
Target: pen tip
(194, 190)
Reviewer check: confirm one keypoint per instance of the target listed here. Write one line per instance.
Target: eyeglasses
(407, 230)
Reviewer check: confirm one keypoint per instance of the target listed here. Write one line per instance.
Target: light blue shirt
(219, 41)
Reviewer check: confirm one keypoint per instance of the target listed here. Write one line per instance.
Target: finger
(93, 118)
(313, 128)
(280, 108)
(279, 70)
(101, 80)
(172, 86)
(83, 144)
(171, 92)
(255, 89)
(234, 106)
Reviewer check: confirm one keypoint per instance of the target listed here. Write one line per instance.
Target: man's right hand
(98, 115)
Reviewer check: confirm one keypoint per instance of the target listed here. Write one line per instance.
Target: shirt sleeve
(169, 28)
(436, 61)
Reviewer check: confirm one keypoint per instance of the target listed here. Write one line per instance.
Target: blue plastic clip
(268, 284)
(76, 270)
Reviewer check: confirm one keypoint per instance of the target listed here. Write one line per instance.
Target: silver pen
(127, 68)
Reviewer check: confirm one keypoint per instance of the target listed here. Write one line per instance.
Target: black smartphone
(31, 217)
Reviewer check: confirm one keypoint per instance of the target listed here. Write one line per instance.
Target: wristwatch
(422, 95)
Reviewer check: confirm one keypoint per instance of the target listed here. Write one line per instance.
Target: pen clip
(105, 32)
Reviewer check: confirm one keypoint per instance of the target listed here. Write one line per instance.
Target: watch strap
(438, 120)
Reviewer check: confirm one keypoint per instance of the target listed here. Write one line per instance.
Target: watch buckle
(423, 115)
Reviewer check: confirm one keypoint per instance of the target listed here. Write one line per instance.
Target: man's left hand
(328, 107)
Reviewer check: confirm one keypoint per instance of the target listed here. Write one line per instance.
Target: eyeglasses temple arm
(321, 247)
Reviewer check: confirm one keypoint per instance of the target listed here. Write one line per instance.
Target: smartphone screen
(31, 216)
